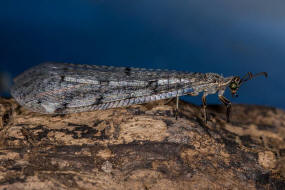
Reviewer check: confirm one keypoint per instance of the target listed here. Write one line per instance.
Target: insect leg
(228, 104)
(176, 110)
(204, 102)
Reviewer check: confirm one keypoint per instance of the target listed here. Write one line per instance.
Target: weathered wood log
(142, 147)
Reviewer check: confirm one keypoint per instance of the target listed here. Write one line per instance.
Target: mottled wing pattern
(68, 88)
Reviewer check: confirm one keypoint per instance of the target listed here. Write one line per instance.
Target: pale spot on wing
(172, 81)
(80, 80)
(50, 107)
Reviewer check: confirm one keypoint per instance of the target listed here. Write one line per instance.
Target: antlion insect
(67, 88)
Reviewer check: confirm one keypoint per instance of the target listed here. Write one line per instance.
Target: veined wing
(65, 88)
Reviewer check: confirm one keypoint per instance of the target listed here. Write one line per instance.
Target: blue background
(222, 36)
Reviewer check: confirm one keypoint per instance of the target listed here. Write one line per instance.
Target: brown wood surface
(142, 147)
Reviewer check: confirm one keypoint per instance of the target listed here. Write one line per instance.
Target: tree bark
(142, 147)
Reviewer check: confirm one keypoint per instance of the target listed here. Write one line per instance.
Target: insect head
(237, 81)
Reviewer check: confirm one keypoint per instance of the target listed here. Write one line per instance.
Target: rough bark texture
(142, 147)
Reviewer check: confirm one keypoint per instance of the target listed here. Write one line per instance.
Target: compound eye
(233, 86)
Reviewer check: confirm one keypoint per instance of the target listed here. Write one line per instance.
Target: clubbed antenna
(250, 76)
